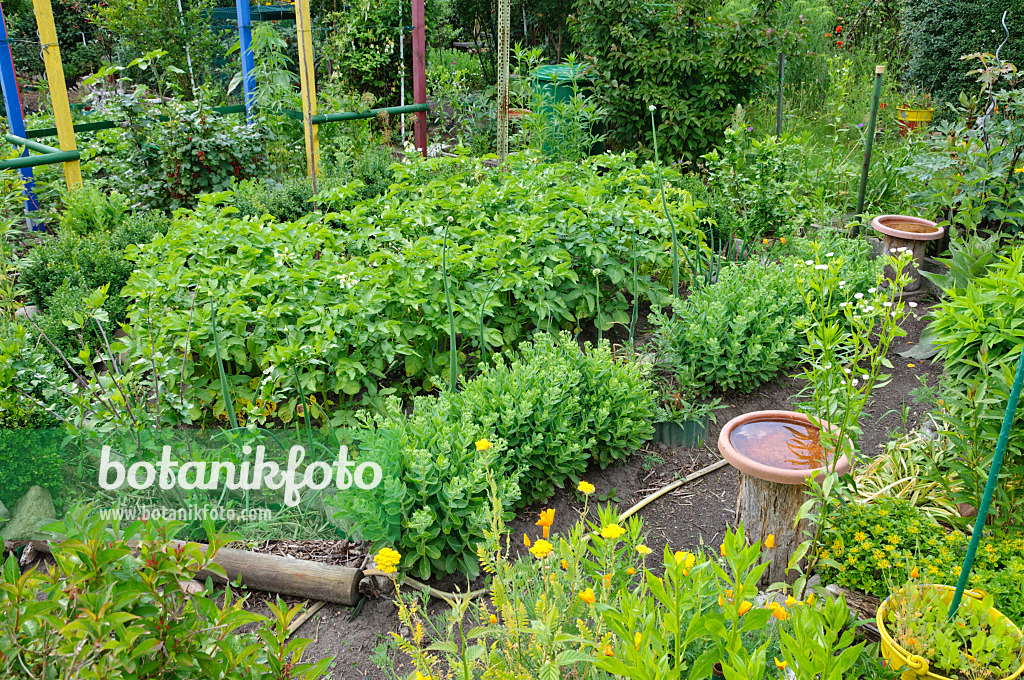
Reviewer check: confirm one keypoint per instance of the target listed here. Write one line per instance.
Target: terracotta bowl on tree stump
(912, 233)
(776, 453)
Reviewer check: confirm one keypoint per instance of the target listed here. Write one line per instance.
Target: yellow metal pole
(307, 79)
(58, 88)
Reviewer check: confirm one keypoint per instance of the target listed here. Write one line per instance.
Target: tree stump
(769, 508)
(890, 244)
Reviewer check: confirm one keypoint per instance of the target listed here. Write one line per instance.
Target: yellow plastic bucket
(917, 666)
(916, 115)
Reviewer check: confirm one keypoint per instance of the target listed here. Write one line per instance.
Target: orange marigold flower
(588, 596)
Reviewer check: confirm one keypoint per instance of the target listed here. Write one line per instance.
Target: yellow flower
(790, 601)
(782, 240)
(745, 607)
(643, 550)
(547, 518)
(764, 241)
(526, 540)
(608, 650)
(387, 560)
(494, 619)
(810, 598)
(721, 549)
(1018, 169)
(588, 596)
(781, 665)
(419, 676)
(770, 541)
(586, 487)
(631, 571)
(636, 640)
(612, 532)
(541, 549)
(686, 559)
(911, 365)
(860, 537)
(565, 565)
(914, 573)
(483, 445)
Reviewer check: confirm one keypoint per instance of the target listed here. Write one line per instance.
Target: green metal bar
(869, 140)
(35, 146)
(990, 486)
(45, 159)
(372, 113)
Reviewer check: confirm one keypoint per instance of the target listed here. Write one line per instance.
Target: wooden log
(917, 248)
(284, 576)
(769, 508)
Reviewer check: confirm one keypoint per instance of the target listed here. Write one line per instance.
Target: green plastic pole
(990, 486)
(778, 108)
(869, 139)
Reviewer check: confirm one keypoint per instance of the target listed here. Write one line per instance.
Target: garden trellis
(64, 128)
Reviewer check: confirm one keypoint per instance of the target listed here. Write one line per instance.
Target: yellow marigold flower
(588, 596)
(721, 549)
(586, 487)
(483, 445)
(686, 559)
(914, 573)
(780, 612)
(541, 549)
(643, 550)
(769, 542)
(631, 571)
(526, 541)
(783, 240)
(745, 607)
(636, 640)
(781, 665)
(494, 619)
(790, 601)
(387, 560)
(764, 241)
(612, 532)
(810, 597)
(547, 518)
(1018, 170)
(565, 565)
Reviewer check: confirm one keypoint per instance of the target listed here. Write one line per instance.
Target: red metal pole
(419, 73)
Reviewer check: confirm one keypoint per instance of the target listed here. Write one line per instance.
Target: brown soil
(694, 515)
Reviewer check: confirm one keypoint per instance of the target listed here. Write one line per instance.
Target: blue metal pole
(15, 118)
(248, 65)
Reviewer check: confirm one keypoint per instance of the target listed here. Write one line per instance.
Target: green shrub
(287, 200)
(87, 262)
(549, 411)
(741, 331)
(979, 332)
(693, 64)
(30, 452)
(433, 504)
(736, 334)
(939, 32)
(89, 210)
(143, 624)
(558, 407)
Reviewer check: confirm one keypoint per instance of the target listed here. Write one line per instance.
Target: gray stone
(27, 311)
(33, 510)
(4, 514)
